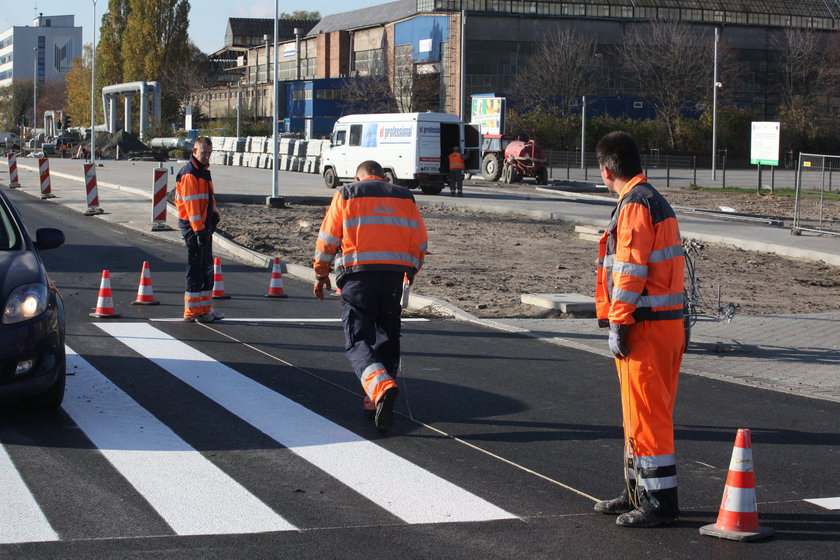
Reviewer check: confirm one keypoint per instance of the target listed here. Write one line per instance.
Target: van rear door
(472, 149)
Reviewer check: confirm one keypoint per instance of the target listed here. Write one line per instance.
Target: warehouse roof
(366, 17)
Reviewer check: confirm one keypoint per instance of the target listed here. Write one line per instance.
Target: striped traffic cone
(218, 281)
(275, 286)
(738, 516)
(145, 296)
(105, 303)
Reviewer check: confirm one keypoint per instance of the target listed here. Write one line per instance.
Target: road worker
(456, 172)
(374, 238)
(197, 220)
(639, 296)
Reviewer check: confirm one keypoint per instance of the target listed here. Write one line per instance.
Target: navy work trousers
(199, 277)
(370, 312)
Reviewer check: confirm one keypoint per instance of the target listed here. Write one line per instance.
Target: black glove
(617, 345)
(203, 237)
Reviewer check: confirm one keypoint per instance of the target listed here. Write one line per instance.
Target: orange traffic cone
(738, 516)
(105, 303)
(145, 296)
(218, 281)
(275, 286)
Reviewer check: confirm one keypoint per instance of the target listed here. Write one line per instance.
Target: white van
(9, 140)
(412, 148)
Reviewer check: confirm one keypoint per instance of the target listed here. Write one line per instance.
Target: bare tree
(670, 65)
(562, 68)
(414, 91)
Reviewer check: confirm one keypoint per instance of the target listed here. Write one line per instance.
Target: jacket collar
(638, 179)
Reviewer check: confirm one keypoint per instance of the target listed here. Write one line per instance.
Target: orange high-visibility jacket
(371, 225)
(456, 161)
(194, 198)
(640, 258)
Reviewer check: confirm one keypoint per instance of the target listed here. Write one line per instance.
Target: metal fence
(817, 175)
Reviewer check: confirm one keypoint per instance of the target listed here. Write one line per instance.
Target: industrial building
(45, 49)
(459, 48)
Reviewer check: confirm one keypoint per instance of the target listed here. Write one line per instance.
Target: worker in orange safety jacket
(639, 296)
(456, 172)
(374, 238)
(197, 220)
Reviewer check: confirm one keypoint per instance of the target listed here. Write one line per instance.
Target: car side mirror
(48, 238)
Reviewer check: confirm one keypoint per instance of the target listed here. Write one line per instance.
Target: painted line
(21, 518)
(407, 491)
(192, 494)
(827, 503)
(277, 320)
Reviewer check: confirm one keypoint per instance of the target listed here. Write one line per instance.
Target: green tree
(78, 88)
(300, 14)
(109, 60)
(15, 103)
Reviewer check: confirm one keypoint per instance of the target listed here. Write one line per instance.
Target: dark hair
(205, 140)
(369, 167)
(618, 152)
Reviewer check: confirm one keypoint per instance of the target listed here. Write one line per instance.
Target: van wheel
(429, 189)
(390, 177)
(330, 178)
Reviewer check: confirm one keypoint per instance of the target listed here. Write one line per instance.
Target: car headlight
(25, 302)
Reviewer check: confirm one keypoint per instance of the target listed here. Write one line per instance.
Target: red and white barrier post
(159, 189)
(44, 167)
(92, 191)
(13, 172)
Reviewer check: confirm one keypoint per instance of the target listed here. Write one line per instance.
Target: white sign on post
(764, 148)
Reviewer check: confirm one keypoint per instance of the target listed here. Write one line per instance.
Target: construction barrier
(105, 302)
(738, 516)
(275, 285)
(159, 190)
(13, 172)
(92, 191)
(44, 168)
(218, 281)
(145, 294)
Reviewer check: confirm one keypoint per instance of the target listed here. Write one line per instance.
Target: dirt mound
(128, 144)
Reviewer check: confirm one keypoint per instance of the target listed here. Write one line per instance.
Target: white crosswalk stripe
(194, 496)
(22, 518)
(407, 491)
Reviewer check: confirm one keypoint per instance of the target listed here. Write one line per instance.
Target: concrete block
(567, 303)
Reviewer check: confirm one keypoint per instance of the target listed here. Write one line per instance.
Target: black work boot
(616, 506)
(384, 419)
(657, 507)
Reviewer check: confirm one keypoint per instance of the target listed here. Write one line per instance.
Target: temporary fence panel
(818, 176)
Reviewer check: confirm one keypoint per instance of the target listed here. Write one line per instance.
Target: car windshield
(9, 237)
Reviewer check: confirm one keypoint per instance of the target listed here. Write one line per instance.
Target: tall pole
(93, 92)
(275, 200)
(34, 96)
(583, 133)
(238, 102)
(715, 87)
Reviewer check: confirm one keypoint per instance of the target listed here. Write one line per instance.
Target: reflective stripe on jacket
(640, 258)
(194, 198)
(456, 161)
(371, 225)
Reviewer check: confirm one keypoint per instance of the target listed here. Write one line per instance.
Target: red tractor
(510, 159)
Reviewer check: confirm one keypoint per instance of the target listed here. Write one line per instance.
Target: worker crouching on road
(456, 172)
(373, 237)
(639, 296)
(197, 220)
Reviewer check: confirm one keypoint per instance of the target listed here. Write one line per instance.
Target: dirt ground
(482, 263)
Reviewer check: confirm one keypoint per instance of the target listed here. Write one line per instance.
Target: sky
(208, 18)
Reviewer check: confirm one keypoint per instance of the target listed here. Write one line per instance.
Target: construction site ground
(483, 262)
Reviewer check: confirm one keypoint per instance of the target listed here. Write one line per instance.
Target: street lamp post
(275, 200)
(34, 96)
(716, 85)
(93, 92)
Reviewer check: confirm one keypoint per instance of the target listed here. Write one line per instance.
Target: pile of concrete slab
(256, 151)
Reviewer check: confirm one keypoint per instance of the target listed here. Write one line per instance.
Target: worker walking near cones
(197, 219)
(373, 237)
(639, 296)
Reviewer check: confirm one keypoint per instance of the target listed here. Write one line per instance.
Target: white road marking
(827, 503)
(395, 484)
(278, 320)
(192, 494)
(21, 518)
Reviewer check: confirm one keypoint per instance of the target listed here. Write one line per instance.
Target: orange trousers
(648, 378)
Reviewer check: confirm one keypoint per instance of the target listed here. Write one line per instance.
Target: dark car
(32, 361)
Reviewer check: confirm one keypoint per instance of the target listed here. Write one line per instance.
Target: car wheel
(330, 178)
(52, 397)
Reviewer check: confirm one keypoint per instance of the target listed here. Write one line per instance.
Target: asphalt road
(246, 439)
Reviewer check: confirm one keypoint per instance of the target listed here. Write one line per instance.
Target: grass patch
(833, 195)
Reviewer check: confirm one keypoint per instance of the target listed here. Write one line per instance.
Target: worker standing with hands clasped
(456, 172)
(197, 220)
(639, 296)
(373, 237)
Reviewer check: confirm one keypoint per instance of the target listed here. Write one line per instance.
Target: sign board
(488, 113)
(764, 147)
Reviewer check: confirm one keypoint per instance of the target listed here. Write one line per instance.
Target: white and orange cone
(738, 516)
(275, 286)
(105, 303)
(145, 295)
(218, 281)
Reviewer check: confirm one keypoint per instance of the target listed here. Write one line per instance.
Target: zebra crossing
(195, 496)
